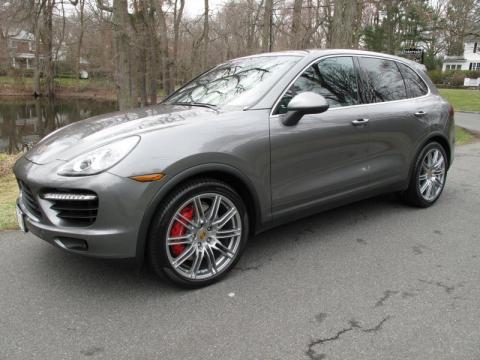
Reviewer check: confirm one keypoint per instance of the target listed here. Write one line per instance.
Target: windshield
(238, 82)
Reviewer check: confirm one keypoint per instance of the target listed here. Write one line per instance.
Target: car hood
(76, 138)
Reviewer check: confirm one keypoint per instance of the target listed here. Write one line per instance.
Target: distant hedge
(452, 78)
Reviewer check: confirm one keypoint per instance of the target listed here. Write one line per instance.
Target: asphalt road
(372, 280)
(470, 121)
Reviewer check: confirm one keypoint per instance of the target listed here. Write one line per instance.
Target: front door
(325, 156)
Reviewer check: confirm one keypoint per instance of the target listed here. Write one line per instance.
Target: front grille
(29, 200)
(76, 208)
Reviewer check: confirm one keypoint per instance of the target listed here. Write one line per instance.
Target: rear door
(324, 156)
(396, 120)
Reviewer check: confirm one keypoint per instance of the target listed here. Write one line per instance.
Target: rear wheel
(198, 233)
(428, 177)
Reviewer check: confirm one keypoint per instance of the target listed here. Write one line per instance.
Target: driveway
(372, 280)
(469, 121)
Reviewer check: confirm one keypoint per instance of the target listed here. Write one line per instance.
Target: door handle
(420, 113)
(360, 122)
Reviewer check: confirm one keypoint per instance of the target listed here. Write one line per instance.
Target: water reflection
(25, 121)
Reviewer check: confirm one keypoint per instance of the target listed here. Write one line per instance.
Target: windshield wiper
(206, 105)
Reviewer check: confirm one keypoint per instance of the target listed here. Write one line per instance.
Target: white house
(21, 49)
(469, 61)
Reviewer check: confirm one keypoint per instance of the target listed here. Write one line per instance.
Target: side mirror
(302, 104)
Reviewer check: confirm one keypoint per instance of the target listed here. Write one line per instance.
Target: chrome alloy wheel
(204, 236)
(431, 177)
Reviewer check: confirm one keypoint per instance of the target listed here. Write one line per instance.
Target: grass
(64, 87)
(64, 82)
(462, 99)
(8, 192)
(462, 136)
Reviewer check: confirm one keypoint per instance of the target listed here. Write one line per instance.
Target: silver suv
(250, 144)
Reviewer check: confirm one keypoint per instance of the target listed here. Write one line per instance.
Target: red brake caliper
(179, 230)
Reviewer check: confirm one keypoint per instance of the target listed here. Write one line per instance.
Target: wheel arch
(438, 137)
(221, 172)
(442, 140)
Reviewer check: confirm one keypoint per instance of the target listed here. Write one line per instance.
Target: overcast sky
(195, 7)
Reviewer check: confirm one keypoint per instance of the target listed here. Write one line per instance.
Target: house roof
(21, 35)
(455, 59)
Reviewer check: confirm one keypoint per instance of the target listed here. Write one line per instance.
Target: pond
(23, 122)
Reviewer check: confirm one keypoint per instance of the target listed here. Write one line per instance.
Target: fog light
(69, 196)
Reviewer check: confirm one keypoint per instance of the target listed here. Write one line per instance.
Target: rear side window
(334, 78)
(415, 85)
(383, 80)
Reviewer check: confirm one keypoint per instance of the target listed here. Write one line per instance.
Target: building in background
(21, 50)
(470, 60)
(20, 54)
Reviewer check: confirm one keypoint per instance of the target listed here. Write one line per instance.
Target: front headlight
(100, 159)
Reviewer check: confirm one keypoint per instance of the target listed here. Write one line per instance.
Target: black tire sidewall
(157, 249)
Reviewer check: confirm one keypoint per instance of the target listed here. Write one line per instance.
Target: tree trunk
(178, 13)
(48, 38)
(123, 74)
(342, 26)
(165, 56)
(152, 53)
(142, 68)
(36, 70)
(205, 37)
(267, 41)
(390, 27)
(80, 40)
(297, 25)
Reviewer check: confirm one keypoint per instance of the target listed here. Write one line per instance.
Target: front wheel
(428, 176)
(198, 233)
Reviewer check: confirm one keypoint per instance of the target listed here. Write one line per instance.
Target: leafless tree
(149, 47)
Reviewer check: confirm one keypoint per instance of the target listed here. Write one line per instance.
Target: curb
(468, 112)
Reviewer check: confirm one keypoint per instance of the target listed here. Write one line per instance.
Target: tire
(427, 170)
(193, 219)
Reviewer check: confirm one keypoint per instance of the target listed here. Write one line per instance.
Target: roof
(313, 53)
(320, 52)
(22, 35)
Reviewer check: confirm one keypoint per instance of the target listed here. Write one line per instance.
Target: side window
(383, 80)
(334, 78)
(415, 85)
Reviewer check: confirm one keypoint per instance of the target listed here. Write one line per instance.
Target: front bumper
(121, 205)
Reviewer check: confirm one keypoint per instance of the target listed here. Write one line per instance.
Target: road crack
(448, 288)
(354, 324)
(248, 268)
(377, 327)
(386, 295)
(312, 354)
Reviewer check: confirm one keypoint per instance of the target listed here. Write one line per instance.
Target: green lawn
(462, 136)
(462, 99)
(64, 82)
(8, 192)
(64, 86)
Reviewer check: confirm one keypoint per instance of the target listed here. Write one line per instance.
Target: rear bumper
(121, 205)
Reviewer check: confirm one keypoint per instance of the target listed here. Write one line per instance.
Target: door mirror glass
(302, 104)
